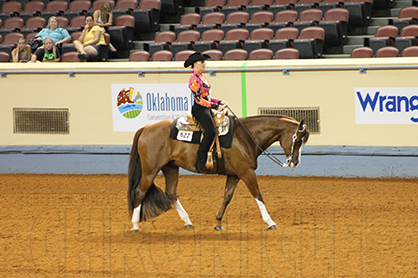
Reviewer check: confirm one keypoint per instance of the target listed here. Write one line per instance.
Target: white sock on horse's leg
(264, 214)
(135, 218)
(182, 213)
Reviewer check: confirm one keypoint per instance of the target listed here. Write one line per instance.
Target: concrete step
(401, 4)
(380, 21)
(349, 48)
(357, 40)
(336, 56)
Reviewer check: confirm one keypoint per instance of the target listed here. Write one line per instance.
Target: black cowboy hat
(195, 57)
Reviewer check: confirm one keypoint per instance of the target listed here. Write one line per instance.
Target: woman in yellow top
(88, 44)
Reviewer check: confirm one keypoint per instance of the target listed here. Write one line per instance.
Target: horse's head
(292, 145)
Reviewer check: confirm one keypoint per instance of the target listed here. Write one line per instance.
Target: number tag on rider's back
(185, 135)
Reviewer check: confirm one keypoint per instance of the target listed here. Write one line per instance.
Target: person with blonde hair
(88, 44)
(47, 52)
(54, 31)
(104, 19)
(22, 52)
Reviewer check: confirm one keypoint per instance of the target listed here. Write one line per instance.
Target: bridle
(296, 143)
(269, 154)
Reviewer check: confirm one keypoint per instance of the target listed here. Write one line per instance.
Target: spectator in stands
(46, 53)
(203, 103)
(55, 32)
(88, 44)
(104, 18)
(22, 52)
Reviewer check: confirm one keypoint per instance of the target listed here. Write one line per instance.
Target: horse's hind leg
(231, 184)
(250, 180)
(171, 174)
(144, 185)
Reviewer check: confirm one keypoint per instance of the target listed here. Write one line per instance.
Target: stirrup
(209, 161)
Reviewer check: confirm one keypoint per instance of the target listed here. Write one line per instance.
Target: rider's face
(200, 66)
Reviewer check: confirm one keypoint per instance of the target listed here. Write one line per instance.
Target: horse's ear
(302, 125)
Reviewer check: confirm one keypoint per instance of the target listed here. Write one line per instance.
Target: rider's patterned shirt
(200, 88)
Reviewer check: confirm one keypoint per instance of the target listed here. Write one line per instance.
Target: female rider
(203, 103)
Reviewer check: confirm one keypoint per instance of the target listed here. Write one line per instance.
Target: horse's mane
(286, 118)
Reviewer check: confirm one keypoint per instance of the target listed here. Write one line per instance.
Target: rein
(266, 152)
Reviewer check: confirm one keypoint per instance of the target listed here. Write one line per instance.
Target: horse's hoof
(134, 230)
(273, 227)
(188, 226)
(218, 228)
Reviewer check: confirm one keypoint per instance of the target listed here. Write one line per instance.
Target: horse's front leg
(250, 180)
(231, 184)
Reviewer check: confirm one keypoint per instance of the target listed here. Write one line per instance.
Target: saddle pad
(194, 137)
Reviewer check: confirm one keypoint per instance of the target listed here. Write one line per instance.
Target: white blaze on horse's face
(293, 160)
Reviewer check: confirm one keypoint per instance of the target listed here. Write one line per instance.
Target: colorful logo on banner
(129, 103)
(138, 105)
(386, 105)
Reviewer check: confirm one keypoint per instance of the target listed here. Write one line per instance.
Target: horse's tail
(134, 172)
(155, 200)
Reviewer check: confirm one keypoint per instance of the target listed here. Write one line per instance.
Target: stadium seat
(234, 6)
(283, 19)
(215, 55)
(235, 55)
(54, 8)
(139, 56)
(233, 39)
(360, 12)
(63, 21)
(162, 41)
(335, 25)
(70, 57)
(162, 56)
(122, 35)
(287, 53)
(362, 52)
(124, 7)
(76, 24)
(76, 8)
(284, 38)
(183, 55)
(31, 8)
(259, 38)
(409, 37)
(258, 5)
(385, 36)
(33, 24)
(411, 51)
(211, 6)
(281, 5)
(310, 43)
(303, 5)
(9, 42)
(187, 22)
(210, 40)
(309, 17)
(210, 21)
(387, 52)
(261, 54)
(185, 41)
(407, 16)
(4, 57)
(13, 23)
(259, 19)
(147, 17)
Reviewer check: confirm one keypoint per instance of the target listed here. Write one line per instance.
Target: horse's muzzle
(292, 161)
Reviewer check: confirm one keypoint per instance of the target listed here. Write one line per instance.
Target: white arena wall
(365, 125)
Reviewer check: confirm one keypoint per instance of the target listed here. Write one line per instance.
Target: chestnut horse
(153, 150)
